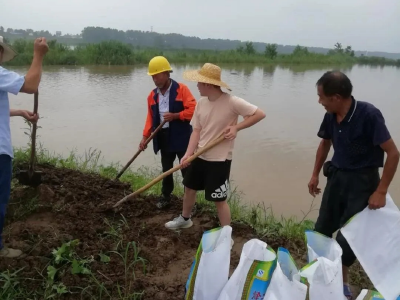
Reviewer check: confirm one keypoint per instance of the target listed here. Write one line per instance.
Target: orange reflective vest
(181, 101)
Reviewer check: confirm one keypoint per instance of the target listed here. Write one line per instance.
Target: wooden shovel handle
(33, 134)
(139, 151)
(170, 171)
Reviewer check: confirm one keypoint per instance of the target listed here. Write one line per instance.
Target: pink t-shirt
(213, 117)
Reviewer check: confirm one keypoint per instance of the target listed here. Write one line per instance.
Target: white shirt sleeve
(10, 81)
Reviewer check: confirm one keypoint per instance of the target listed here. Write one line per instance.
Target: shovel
(139, 151)
(31, 177)
(170, 171)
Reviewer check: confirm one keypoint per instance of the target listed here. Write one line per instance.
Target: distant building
(58, 33)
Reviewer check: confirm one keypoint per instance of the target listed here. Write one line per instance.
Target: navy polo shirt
(356, 140)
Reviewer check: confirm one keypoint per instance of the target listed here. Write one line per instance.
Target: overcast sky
(363, 24)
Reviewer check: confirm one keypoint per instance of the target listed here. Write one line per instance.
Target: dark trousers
(167, 162)
(346, 194)
(5, 189)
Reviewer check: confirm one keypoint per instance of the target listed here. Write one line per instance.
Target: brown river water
(104, 108)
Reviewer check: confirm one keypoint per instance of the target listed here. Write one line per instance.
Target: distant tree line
(271, 50)
(146, 39)
(120, 53)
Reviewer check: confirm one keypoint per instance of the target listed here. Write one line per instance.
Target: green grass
(65, 259)
(117, 53)
(260, 218)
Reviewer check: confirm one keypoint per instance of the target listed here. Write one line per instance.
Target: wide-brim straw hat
(9, 53)
(208, 73)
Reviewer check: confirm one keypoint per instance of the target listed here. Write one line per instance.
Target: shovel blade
(24, 177)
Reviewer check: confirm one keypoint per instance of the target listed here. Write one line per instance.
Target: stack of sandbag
(374, 237)
(285, 282)
(251, 278)
(210, 269)
(323, 273)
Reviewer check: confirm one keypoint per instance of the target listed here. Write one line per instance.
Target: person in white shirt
(11, 82)
(216, 112)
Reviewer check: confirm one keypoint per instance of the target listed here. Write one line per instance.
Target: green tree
(240, 49)
(249, 48)
(271, 50)
(338, 48)
(299, 50)
(349, 51)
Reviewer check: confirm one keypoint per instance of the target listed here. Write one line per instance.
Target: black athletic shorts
(210, 176)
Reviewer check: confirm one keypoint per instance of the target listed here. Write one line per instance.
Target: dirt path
(69, 206)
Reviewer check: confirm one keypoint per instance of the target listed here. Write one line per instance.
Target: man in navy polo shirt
(359, 136)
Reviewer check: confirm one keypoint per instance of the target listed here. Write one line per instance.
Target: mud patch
(70, 205)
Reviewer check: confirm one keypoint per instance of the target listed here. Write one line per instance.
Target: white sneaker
(179, 223)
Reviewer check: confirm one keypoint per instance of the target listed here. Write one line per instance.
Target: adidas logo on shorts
(222, 191)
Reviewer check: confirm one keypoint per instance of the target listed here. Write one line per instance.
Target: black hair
(335, 83)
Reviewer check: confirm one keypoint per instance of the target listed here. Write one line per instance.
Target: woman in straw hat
(11, 82)
(216, 113)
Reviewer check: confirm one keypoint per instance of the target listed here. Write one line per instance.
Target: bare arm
(15, 113)
(322, 154)
(33, 76)
(251, 120)
(390, 167)
(193, 142)
(26, 114)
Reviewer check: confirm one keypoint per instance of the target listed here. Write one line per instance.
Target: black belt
(329, 166)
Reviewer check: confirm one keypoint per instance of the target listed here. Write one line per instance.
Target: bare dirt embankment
(70, 205)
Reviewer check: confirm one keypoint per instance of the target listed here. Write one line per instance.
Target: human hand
(184, 162)
(377, 200)
(170, 116)
(30, 116)
(230, 132)
(40, 47)
(313, 186)
(142, 145)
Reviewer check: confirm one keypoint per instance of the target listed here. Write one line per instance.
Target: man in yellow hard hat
(173, 102)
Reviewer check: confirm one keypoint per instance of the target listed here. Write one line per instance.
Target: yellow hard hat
(158, 64)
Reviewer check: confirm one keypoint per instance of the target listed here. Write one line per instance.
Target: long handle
(33, 135)
(170, 171)
(139, 151)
